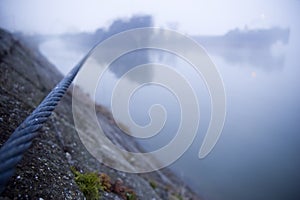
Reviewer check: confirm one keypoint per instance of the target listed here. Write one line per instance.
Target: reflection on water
(257, 154)
(75, 46)
(263, 48)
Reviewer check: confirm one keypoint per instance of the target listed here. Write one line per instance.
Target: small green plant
(89, 183)
(153, 184)
(130, 195)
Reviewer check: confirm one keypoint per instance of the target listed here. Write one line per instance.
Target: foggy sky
(190, 16)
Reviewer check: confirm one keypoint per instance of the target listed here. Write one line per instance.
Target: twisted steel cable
(13, 149)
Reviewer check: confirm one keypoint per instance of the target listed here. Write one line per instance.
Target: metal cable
(13, 149)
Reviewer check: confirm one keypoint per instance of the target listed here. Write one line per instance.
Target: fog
(255, 48)
(257, 154)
